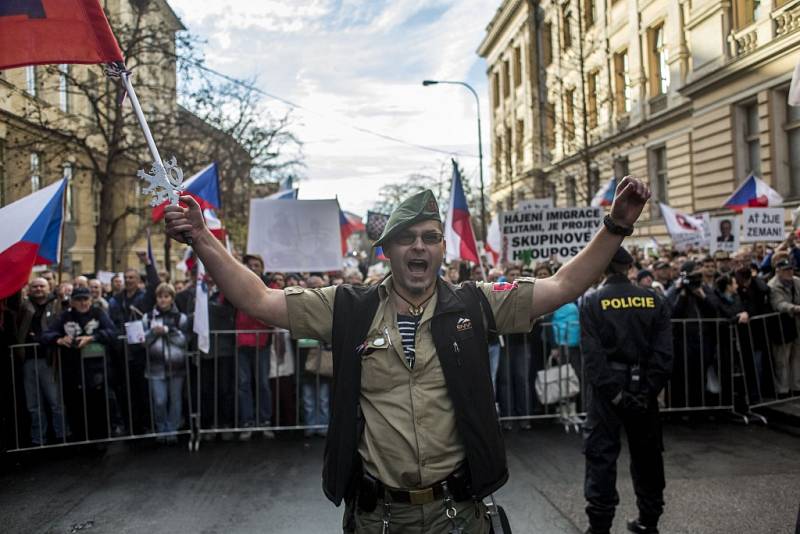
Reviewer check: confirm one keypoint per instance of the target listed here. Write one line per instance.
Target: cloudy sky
(358, 64)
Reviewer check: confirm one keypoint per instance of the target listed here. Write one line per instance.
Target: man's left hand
(84, 340)
(629, 201)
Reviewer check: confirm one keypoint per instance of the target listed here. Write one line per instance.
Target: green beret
(416, 208)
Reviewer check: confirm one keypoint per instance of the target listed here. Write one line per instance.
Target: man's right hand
(182, 222)
(65, 341)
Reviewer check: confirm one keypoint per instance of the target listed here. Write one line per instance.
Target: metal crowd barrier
(236, 389)
(64, 397)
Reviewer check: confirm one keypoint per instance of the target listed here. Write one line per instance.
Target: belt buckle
(423, 496)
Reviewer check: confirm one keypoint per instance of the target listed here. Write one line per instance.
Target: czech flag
(286, 190)
(349, 223)
(605, 195)
(31, 235)
(753, 193)
(203, 187)
(494, 241)
(458, 232)
(39, 32)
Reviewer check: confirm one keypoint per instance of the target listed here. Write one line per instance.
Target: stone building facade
(689, 94)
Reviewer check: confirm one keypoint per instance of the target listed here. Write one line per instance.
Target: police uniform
(626, 337)
(412, 435)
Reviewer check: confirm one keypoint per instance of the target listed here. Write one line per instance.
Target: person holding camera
(626, 337)
(694, 336)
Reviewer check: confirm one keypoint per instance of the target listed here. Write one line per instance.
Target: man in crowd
(663, 274)
(77, 332)
(41, 391)
(628, 360)
(419, 429)
(96, 289)
(785, 298)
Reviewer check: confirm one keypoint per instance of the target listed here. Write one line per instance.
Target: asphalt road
(721, 478)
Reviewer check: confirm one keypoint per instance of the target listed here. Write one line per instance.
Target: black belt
(456, 483)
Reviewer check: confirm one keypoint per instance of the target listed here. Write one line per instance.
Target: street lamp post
(480, 144)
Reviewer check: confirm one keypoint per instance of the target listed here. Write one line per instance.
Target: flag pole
(61, 232)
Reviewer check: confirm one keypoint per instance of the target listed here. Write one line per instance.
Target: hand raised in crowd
(184, 221)
(629, 201)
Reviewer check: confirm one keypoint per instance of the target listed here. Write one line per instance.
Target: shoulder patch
(293, 290)
(504, 286)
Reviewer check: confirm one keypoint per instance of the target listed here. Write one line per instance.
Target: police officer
(413, 444)
(626, 336)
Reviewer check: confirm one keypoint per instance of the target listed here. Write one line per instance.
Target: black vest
(464, 356)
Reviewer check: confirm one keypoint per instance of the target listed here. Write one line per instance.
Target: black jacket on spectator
(94, 322)
(120, 306)
(694, 342)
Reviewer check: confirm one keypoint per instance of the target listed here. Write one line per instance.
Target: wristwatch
(615, 228)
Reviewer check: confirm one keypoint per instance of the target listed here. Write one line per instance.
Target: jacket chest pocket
(381, 369)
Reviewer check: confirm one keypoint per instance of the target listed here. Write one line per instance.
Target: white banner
(534, 236)
(724, 234)
(686, 231)
(535, 204)
(295, 235)
(762, 224)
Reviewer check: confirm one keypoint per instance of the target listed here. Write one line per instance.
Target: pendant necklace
(414, 310)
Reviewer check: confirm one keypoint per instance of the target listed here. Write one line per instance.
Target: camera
(691, 281)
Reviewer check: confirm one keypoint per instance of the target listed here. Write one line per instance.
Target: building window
(66, 173)
(658, 178)
(749, 140)
(550, 125)
(571, 191)
(547, 43)
(520, 141)
(566, 29)
(506, 79)
(623, 92)
(569, 114)
(589, 12)
(792, 129)
(31, 81)
(498, 159)
(621, 167)
(517, 66)
(591, 90)
(96, 202)
(63, 88)
(36, 179)
(746, 12)
(659, 69)
(496, 89)
(507, 145)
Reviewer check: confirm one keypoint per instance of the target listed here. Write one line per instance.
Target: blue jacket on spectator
(566, 325)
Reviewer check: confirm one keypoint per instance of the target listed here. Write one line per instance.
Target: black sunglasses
(428, 238)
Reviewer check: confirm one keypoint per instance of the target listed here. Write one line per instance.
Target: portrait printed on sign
(724, 234)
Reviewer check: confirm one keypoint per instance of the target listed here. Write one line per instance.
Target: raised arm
(238, 283)
(577, 275)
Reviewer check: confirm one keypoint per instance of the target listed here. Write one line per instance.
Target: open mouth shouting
(417, 266)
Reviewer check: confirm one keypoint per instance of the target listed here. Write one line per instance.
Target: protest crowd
(75, 373)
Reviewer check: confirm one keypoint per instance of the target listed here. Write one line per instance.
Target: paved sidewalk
(721, 478)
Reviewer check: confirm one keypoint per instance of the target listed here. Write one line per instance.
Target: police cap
(622, 256)
(415, 209)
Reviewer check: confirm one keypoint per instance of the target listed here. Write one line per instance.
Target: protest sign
(134, 331)
(724, 234)
(295, 235)
(105, 277)
(535, 204)
(686, 231)
(762, 224)
(533, 236)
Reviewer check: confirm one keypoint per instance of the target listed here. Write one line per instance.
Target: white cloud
(356, 63)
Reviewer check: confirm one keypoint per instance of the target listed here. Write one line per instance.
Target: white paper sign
(134, 331)
(535, 204)
(762, 224)
(533, 236)
(295, 235)
(105, 276)
(724, 234)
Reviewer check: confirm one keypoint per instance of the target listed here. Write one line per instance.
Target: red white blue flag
(753, 193)
(605, 195)
(40, 32)
(31, 235)
(458, 232)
